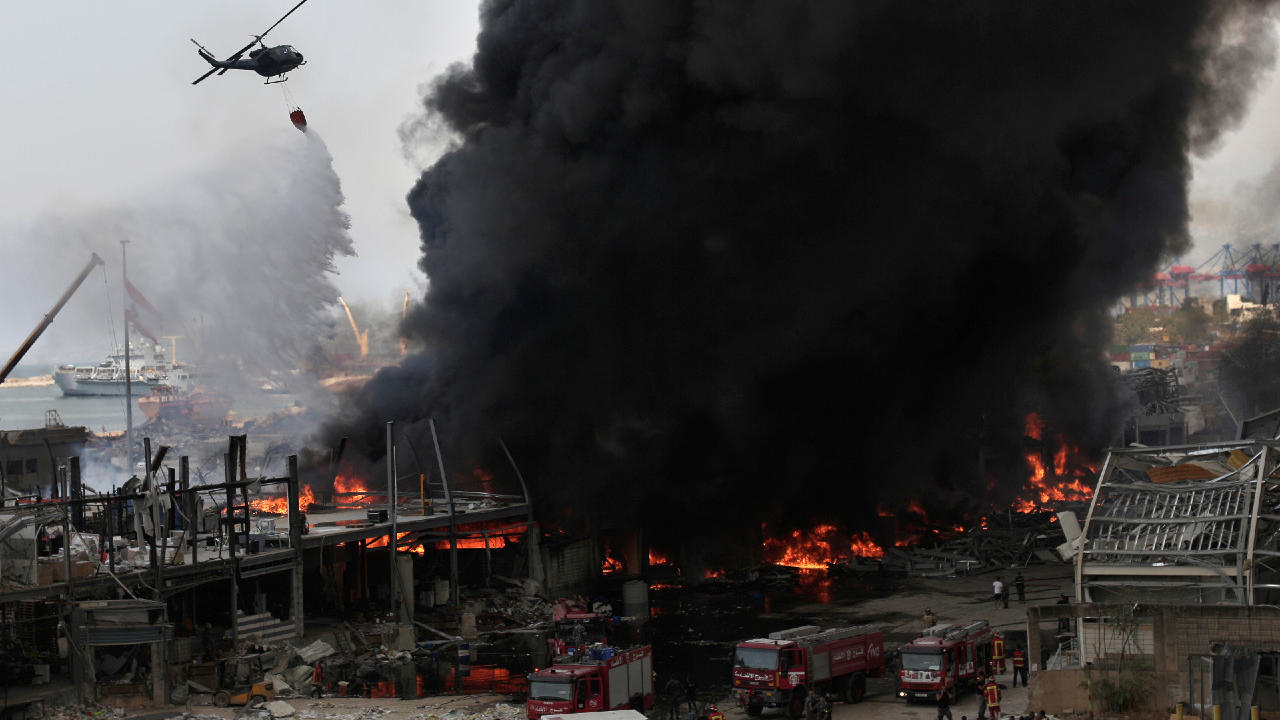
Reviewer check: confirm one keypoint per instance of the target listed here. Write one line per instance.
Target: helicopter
(268, 62)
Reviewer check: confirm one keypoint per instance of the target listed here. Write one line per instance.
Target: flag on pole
(141, 314)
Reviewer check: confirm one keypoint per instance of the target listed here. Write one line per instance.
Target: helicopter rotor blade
(295, 7)
(202, 77)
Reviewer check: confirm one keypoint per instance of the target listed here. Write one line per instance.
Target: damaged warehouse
(1177, 566)
(141, 595)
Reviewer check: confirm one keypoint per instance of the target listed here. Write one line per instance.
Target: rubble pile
(1016, 539)
(513, 609)
(84, 711)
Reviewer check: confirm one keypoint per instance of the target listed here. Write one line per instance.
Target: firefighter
(317, 681)
(929, 618)
(982, 700)
(991, 694)
(944, 704)
(1019, 666)
(997, 653)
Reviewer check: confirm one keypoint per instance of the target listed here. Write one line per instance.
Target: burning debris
(1059, 471)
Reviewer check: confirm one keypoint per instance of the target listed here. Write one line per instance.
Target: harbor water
(24, 407)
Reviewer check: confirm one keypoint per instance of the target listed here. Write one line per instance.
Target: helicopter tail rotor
(204, 53)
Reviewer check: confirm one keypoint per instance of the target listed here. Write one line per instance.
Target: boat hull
(72, 387)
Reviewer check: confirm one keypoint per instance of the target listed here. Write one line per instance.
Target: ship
(149, 367)
(200, 407)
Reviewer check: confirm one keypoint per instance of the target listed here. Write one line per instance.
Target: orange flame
(495, 542)
(353, 484)
(817, 548)
(863, 546)
(1070, 478)
(611, 564)
(657, 558)
(379, 542)
(718, 573)
(279, 504)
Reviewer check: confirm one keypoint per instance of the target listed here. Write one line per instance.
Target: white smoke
(239, 258)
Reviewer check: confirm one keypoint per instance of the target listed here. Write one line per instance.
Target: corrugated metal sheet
(569, 567)
(125, 635)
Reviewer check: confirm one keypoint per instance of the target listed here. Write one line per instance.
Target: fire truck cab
(946, 657)
(603, 678)
(776, 671)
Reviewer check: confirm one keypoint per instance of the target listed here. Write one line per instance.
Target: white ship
(149, 366)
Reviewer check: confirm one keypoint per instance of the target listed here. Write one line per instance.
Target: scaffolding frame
(1218, 533)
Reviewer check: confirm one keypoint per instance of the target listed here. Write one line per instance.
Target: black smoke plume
(707, 265)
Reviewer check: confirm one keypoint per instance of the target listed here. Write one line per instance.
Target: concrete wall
(1177, 633)
(1058, 692)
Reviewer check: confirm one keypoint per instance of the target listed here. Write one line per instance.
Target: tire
(857, 688)
(221, 698)
(256, 700)
(795, 708)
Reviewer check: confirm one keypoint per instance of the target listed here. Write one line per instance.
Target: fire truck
(777, 670)
(947, 657)
(602, 678)
(578, 630)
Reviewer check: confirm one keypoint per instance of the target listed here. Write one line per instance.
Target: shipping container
(1140, 364)
(1140, 348)
(1139, 356)
(1120, 357)
(1122, 365)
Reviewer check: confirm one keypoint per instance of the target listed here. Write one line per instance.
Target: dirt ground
(952, 599)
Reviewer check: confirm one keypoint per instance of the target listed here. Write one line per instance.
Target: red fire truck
(777, 670)
(602, 678)
(947, 657)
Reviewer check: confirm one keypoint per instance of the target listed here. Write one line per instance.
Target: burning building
(717, 267)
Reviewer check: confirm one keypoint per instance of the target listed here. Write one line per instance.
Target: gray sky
(99, 107)
(99, 112)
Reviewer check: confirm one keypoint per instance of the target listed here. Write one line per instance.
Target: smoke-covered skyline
(238, 260)
(809, 257)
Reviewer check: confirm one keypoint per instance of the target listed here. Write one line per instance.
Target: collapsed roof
(1185, 524)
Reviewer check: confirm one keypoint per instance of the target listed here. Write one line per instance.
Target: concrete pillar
(404, 628)
(533, 543)
(404, 565)
(1033, 641)
(295, 542)
(159, 675)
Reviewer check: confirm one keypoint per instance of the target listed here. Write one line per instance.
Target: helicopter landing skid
(276, 82)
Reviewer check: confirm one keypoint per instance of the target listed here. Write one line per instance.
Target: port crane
(48, 317)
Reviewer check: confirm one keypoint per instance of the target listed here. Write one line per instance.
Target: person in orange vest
(997, 652)
(991, 693)
(317, 681)
(1019, 666)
